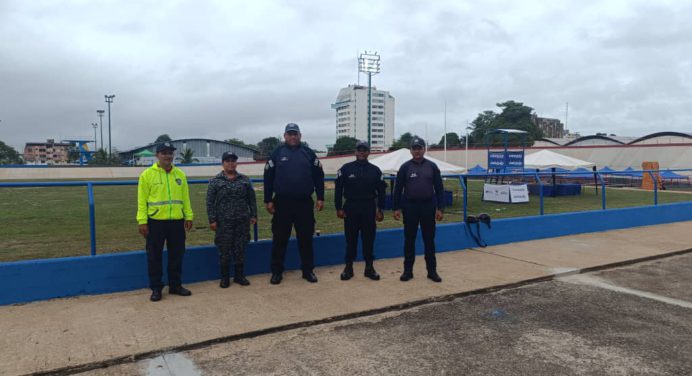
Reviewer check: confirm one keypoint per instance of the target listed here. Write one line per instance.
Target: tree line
(511, 115)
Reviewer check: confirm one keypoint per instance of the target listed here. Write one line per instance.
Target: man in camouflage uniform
(232, 208)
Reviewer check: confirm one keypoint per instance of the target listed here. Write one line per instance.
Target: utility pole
(96, 147)
(109, 100)
(445, 131)
(100, 115)
(566, 113)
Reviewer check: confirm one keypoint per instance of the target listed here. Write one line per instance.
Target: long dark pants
(360, 218)
(232, 236)
(172, 233)
(290, 212)
(419, 213)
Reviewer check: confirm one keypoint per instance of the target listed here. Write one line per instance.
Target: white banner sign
(496, 193)
(519, 193)
(506, 193)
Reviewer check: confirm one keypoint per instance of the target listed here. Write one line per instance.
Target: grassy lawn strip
(54, 221)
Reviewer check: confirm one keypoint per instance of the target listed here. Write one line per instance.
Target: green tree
(514, 115)
(344, 145)
(8, 155)
(267, 146)
(187, 156)
(72, 154)
(453, 141)
(239, 142)
(404, 142)
(163, 138)
(100, 158)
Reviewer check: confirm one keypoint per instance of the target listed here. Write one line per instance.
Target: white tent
(390, 162)
(549, 159)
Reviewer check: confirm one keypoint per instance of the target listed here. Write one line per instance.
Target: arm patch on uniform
(338, 173)
(270, 164)
(317, 163)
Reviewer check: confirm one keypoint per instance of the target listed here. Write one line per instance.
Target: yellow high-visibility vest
(163, 195)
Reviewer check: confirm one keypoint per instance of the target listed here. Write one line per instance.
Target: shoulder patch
(270, 164)
(338, 173)
(317, 163)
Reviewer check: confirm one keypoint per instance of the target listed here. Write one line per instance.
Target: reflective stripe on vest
(161, 203)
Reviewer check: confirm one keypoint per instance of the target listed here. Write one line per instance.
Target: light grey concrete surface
(89, 330)
(546, 328)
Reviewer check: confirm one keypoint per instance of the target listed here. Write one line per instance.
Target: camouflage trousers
(231, 239)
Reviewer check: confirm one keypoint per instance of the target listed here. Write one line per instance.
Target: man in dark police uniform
(361, 183)
(419, 182)
(291, 175)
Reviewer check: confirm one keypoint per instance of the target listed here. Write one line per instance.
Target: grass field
(54, 222)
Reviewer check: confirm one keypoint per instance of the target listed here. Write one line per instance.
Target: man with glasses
(164, 214)
(362, 184)
(291, 175)
(419, 183)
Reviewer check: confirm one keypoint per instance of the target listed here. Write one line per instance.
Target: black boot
(406, 275)
(239, 277)
(225, 278)
(155, 295)
(432, 274)
(347, 273)
(225, 282)
(371, 273)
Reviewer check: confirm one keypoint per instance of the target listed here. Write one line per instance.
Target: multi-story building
(352, 115)
(552, 128)
(46, 153)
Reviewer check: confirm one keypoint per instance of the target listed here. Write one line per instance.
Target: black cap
(229, 156)
(417, 142)
(165, 146)
(362, 144)
(292, 127)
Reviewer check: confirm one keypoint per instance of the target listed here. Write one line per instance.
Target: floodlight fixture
(109, 100)
(369, 63)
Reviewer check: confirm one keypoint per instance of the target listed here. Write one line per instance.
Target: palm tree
(186, 157)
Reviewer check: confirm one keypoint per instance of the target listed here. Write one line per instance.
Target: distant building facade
(351, 108)
(552, 128)
(47, 153)
(203, 151)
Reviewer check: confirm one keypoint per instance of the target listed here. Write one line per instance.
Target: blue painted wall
(26, 281)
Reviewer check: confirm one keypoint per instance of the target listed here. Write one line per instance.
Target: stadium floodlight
(100, 115)
(369, 63)
(95, 126)
(109, 100)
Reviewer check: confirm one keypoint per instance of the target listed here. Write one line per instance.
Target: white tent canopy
(390, 162)
(549, 159)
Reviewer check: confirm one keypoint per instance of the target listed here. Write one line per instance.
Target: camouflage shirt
(230, 199)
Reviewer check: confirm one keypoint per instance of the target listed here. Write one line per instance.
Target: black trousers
(360, 218)
(419, 213)
(172, 233)
(290, 212)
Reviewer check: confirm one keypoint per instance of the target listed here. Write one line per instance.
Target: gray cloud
(243, 69)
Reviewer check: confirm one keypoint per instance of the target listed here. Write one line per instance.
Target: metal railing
(462, 178)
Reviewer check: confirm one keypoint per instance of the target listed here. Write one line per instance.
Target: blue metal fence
(462, 178)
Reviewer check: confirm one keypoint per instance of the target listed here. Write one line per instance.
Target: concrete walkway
(85, 332)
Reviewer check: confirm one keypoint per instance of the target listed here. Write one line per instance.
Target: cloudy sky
(222, 69)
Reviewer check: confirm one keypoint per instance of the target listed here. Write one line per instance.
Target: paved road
(634, 320)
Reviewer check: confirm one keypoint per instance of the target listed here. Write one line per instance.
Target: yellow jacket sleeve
(142, 197)
(187, 207)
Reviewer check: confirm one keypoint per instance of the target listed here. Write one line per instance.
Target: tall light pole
(100, 114)
(109, 100)
(445, 136)
(96, 147)
(468, 128)
(369, 62)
